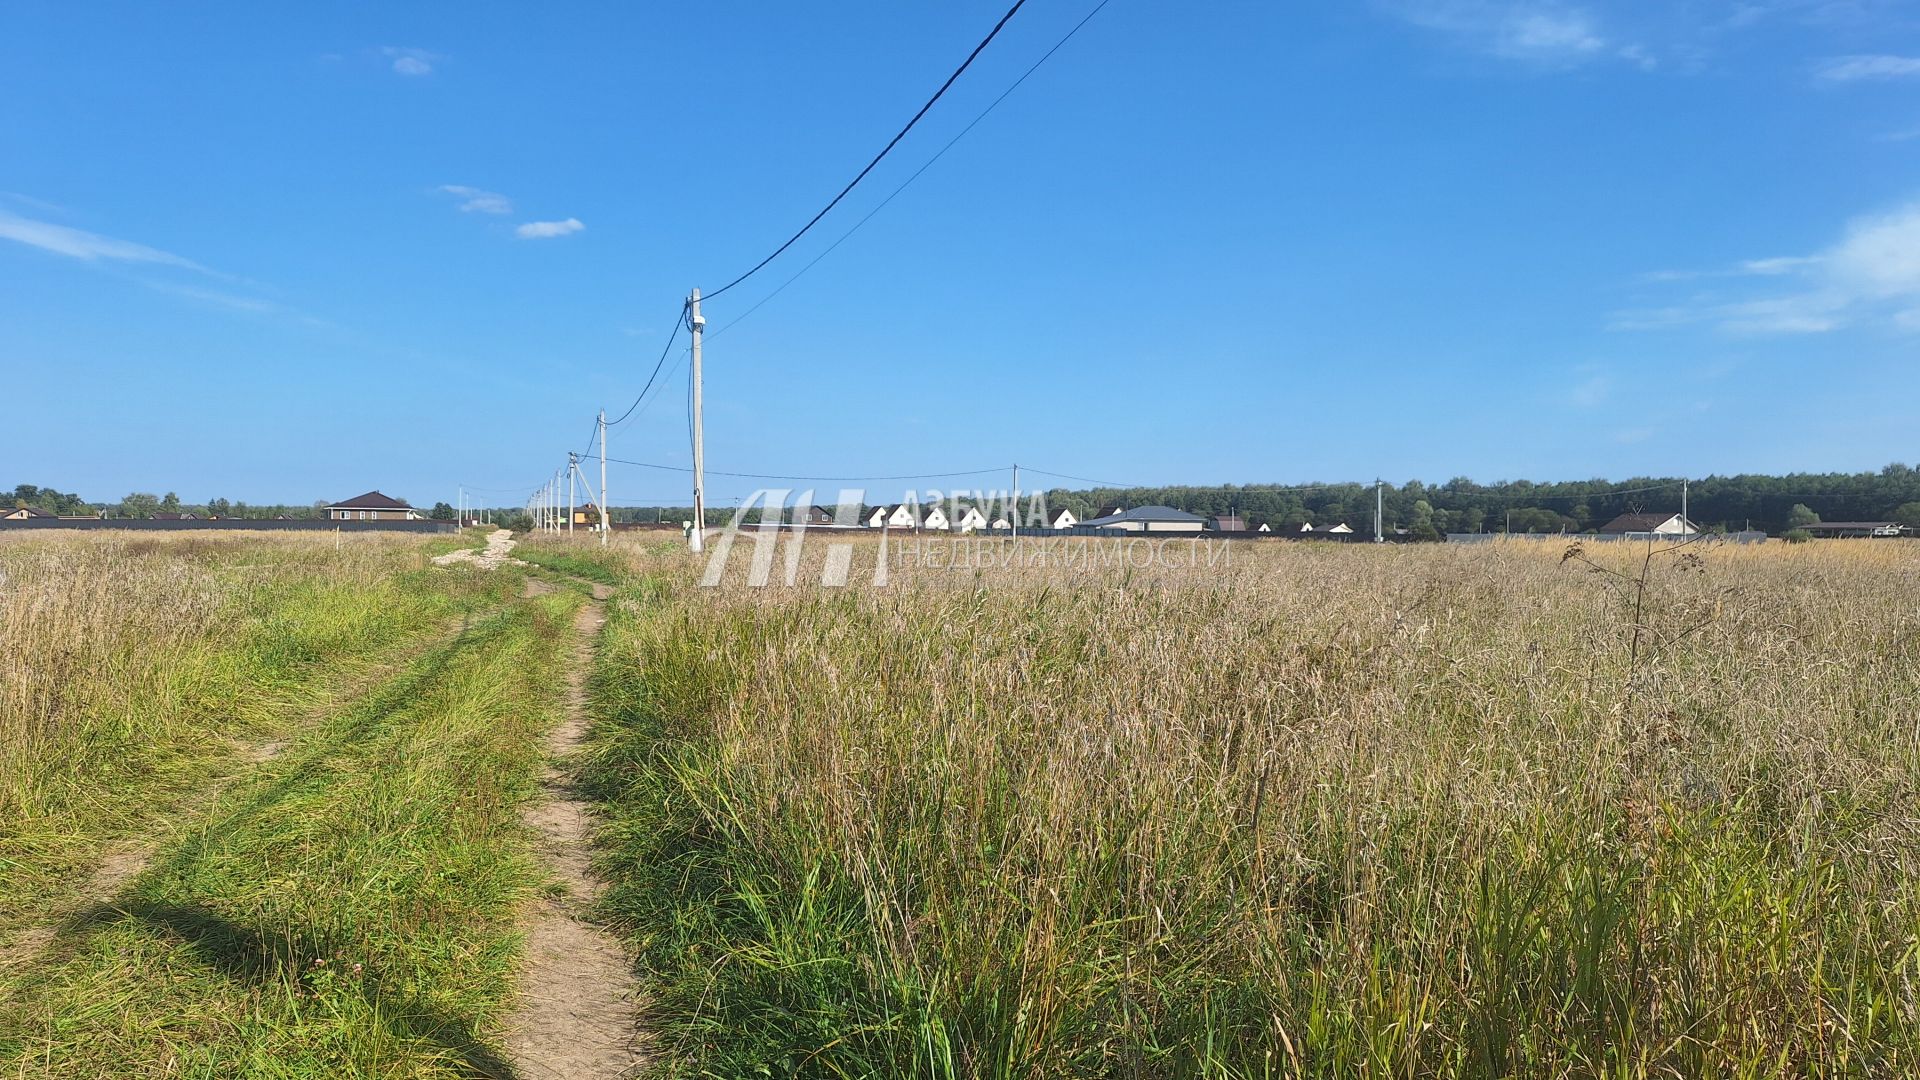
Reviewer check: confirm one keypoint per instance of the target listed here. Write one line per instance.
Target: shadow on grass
(265, 958)
(262, 959)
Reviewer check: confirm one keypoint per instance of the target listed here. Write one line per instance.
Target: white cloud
(1871, 275)
(1779, 264)
(32, 203)
(1536, 31)
(540, 230)
(474, 200)
(410, 61)
(1637, 54)
(80, 244)
(1859, 68)
(1592, 392)
(215, 297)
(1880, 256)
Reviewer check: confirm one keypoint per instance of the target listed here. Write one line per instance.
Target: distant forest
(1774, 504)
(1720, 503)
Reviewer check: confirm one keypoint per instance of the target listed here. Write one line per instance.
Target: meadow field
(1328, 811)
(1305, 810)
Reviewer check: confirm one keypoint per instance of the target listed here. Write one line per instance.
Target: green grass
(148, 719)
(348, 911)
(578, 558)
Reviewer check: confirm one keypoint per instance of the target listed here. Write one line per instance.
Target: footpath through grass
(349, 911)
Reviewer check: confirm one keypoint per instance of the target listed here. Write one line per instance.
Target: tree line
(1773, 504)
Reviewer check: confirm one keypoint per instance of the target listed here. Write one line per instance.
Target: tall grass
(1326, 811)
(132, 666)
(350, 909)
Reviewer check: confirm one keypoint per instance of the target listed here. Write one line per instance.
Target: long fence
(232, 525)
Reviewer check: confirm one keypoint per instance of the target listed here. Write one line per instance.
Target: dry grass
(1328, 811)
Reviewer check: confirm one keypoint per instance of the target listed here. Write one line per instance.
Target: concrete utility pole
(605, 521)
(573, 463)
(1379, 505)
(696, 325)
(1013, 516)
(1686, 523)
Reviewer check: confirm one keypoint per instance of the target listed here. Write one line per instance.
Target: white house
(1053, 519)
(935, 519)
(970, 519)
(1649, 525)
(896, 516)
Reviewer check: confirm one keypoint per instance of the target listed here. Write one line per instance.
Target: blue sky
(280, 253)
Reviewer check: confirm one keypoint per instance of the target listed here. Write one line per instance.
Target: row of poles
(543, 506)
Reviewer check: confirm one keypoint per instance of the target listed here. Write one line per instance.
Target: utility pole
(573, 463)
(1013, 517)
(460, 508)
(1379, 505)
(696, 325)
(1686, 523)
(605, 521)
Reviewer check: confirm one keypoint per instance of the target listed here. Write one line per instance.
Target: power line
(844, 237)
(677, 319)
(937, 94)
(1201, 487)
(781, 476)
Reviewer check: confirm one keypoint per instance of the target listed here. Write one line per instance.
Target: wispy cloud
(80, 244)
(1534, 31)
(1871, 275)
(474, 200)
(215, 297)
(407, 61)
(1865, 68)
(32, 203)
(540, 230)
(1592, 391)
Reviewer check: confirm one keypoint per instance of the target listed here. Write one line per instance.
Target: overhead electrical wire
(782, 476)
(677, 320)
(653, 376)
(844, 237)
(891, 143)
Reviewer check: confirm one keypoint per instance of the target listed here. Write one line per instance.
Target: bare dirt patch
(578, 1015)
(499, 546)
(117, 868)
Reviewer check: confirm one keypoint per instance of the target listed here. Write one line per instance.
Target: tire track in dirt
(125, 860)
(578, 1016)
